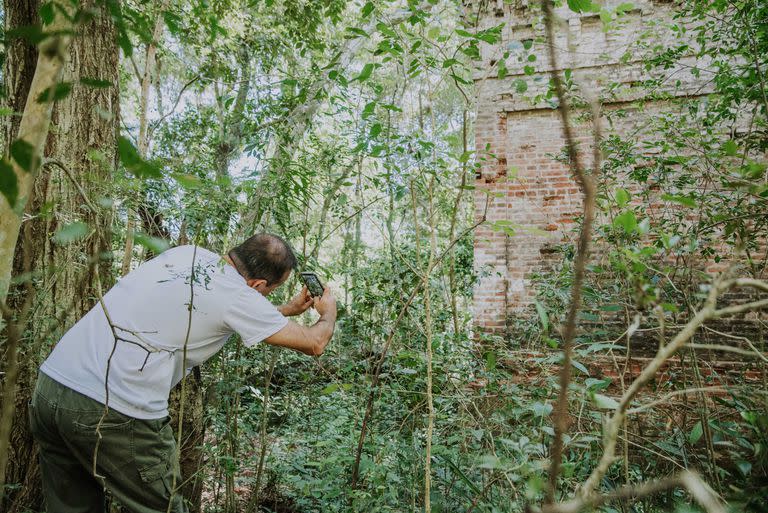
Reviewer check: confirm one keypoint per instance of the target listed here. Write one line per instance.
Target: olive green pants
(135, 459)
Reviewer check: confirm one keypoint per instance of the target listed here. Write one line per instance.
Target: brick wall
(522, 186)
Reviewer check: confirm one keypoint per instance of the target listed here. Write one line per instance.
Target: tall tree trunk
(193, 433)
(79, 159)
(19, 66)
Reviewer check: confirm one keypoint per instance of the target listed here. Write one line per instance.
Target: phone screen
(313, 283)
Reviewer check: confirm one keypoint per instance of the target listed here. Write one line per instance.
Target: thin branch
(708, 311)
(182, 402)
(80, 190)
(729, 349)
(157, 123)
(586, 181)
(350, 216)
(676, 393)
(393, 330)
(687, 480)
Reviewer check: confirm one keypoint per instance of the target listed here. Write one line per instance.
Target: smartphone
(313, 284)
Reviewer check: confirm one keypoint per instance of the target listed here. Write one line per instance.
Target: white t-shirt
(149, 310)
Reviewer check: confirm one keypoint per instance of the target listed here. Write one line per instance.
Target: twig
(560, 412)
(153, 125)
(353, 214)
(670, 395)
(182, 402)
(688, 480)
(385, 349)
(729, 349)
(708, 311)
(80, 190)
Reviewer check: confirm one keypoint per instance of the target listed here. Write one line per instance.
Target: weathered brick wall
(516, 137)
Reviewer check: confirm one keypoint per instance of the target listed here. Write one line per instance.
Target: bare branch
(586, 181)
(687, 480)
(80, 190)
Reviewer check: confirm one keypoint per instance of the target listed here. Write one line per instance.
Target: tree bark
(193, 434)
(32, 130)
(79, 148)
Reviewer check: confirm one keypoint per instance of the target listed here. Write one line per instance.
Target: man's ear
(256, 283)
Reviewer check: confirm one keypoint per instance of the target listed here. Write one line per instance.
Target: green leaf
(597, 384)
(375, 131)
(330, 389)
(155, 244)
(359, 32)
(23, 153)
(33, 34)
(187, 181)
(172, 21)
(543, 317)
(96, 83)
(365, 73)
(58, 92)
(580, 366)
(541, 409)
(730, 148)
(529, 70)
(47, 13)
(745, 467)
(502, 65)
(9, 185)
(677, 198)
(125, 42)
(369, 109)
(461, 474)
(627, 221)
(367, 9)
(622, 197)
(695, 433)
(604, 402)
(580, 5)
(489, 461)
(521, 85)
(133, 162)
(490, 361)
(490, 35)
(71, 233)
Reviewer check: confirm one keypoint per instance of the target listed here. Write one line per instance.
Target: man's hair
(264, 256)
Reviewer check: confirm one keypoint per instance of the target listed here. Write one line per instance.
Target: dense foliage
(347, 128)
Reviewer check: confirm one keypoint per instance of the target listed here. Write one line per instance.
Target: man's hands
(310, 340)
(326, 304)
(299, 304)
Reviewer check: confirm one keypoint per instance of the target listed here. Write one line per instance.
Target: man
(168, 315)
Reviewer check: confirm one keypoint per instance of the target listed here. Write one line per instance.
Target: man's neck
(232, 260)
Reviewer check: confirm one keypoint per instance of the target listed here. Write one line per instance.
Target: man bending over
(167, 316)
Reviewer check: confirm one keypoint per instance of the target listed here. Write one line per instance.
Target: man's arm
(310, 340)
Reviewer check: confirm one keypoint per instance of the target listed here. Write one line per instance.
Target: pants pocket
(103, 439)
(154, 450)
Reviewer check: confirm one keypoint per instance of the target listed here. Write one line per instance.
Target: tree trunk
(19, 66)
(193, 433)
(82, 139)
